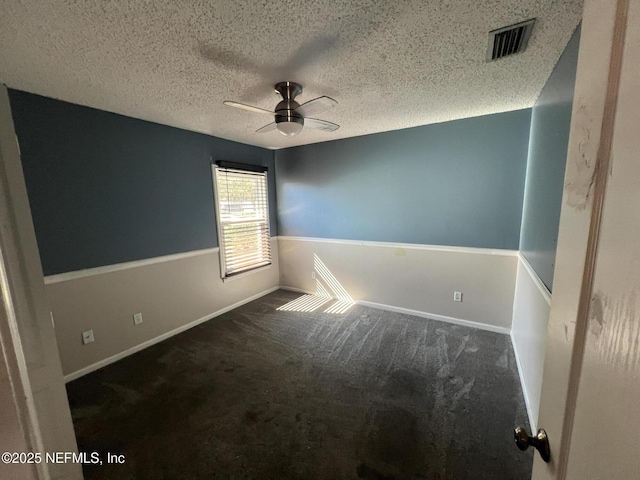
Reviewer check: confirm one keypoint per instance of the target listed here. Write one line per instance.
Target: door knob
(540, 442)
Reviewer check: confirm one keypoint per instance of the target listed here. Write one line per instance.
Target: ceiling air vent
(509, 40)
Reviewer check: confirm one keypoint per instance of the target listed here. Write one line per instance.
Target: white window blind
(243, 220)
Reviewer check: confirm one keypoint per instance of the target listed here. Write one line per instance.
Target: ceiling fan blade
(247, 107)
(267, 128)
(316, 105)
(321, 124)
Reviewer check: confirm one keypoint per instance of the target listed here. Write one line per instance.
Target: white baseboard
(435, 316)
(114, 358)
(525, 393)
(418, 313)
(297, 290)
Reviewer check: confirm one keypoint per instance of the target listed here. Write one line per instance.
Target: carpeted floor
(263, 394)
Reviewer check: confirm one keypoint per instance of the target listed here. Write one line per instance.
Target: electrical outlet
(313, 274)
(87, 337)
(137, 319)
(457, 296)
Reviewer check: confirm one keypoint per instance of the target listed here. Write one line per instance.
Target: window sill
(247, 273)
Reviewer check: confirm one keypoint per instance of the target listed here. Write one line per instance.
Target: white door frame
(19, 424)
(587, 171)
(27, 330)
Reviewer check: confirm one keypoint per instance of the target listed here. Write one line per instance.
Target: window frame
(242, 169)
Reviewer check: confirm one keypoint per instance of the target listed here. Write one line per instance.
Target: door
(591, 385)
(12, 413)
(27, 336)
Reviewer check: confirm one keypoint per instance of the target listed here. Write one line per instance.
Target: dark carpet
(263, 394)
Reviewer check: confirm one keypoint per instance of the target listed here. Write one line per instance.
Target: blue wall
(106, 189)
(456, 183)
(550, 121)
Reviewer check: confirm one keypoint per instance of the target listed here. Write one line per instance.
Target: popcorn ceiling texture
(390, 64)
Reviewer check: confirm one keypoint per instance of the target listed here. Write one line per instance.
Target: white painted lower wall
(173, 293)
(501, 293)
(414, 279)
(531, 306)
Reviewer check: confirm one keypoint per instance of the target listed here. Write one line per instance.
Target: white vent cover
(509, 40)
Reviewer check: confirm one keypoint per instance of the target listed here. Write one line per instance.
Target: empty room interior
(281, 240)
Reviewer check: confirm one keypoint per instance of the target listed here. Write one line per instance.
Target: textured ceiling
(389, 64)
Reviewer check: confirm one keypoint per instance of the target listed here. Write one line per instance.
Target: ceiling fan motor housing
(285, 112)
(289, 122)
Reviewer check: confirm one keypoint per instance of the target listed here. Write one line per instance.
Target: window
(242, 212)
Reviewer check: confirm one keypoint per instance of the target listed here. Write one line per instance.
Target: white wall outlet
(137, 319)
(313, 274)
(457, 296)
(87, 337)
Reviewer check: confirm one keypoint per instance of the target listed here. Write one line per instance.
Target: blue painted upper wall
(456, 183)
(549, 140)
(105, 188)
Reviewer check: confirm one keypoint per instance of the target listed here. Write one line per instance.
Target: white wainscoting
(414, 279)
(173, 293)
(501, 293)
(531, 306)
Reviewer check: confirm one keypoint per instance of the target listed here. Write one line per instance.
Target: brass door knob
(540, 442)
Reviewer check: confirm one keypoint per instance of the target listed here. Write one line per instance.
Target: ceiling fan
(289, 115)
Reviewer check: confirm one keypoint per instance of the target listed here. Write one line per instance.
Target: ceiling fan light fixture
(290, 126)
